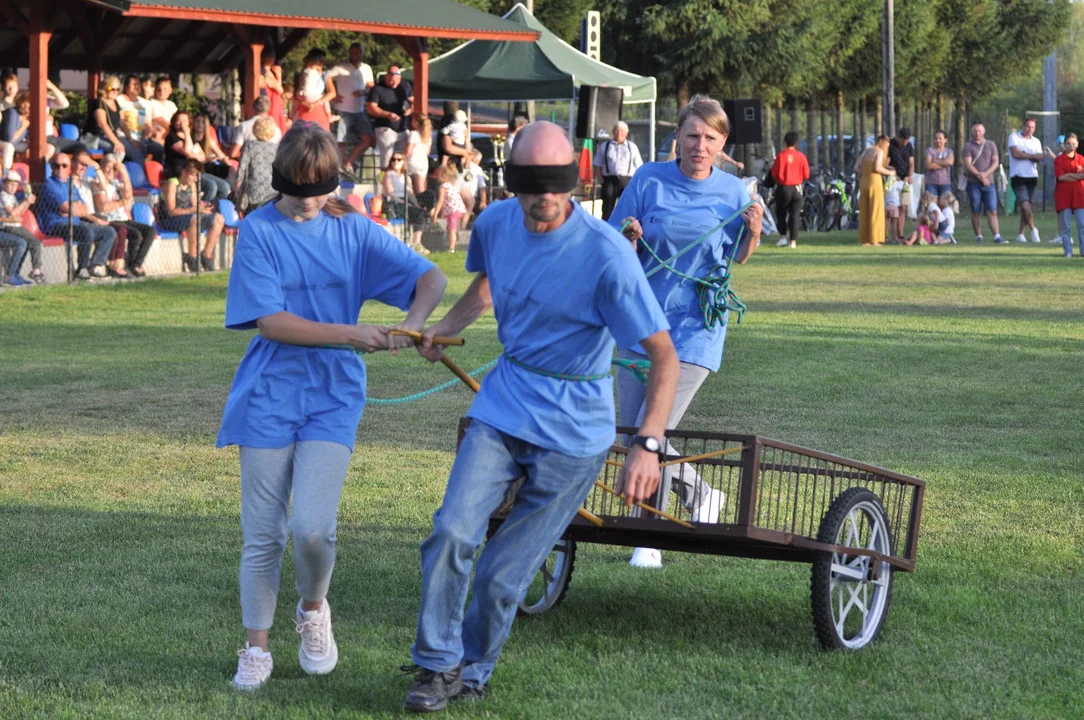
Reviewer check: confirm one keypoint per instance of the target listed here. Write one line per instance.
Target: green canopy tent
(547, 69)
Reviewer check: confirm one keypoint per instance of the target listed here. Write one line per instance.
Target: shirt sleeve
(626, 302)
(600, 156)
(254, 289)
(637, 160)
(476, 252)
(391, 269)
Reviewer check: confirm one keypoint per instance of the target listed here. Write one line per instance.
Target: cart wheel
(851, 593)
(551, 583)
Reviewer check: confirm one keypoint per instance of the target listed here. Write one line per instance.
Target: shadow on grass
(902, 310)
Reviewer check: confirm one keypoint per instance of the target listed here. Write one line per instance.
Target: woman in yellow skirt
(871, 205)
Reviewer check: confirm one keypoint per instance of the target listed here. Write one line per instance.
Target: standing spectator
(11, 213)
(54, 211)
(182, 147)
(939, 162)
(160, 112)
(254, 173)
(615, 163)
(980, 164)
(474, 183)
(271, 87)
(1069, 194)
(313, 92)
(454, 147)
(419, 145)
(901, 158)
(353, 80)
(386, 105)
(180, 214)
(243, 133)
(449, 203)
(870, 165)
(790, 171)
(103, 128)
(893, 201)
(1025, 154)
(517, 123)
(113, 197)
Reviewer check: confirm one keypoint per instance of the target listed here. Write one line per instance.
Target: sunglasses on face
(61, 165)
(397, 159)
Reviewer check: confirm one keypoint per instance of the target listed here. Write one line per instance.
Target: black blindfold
(541, 179)
(281, 184)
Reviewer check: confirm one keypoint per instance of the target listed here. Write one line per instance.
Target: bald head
(542, 143)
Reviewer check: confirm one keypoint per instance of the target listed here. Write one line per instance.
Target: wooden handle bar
(642, 506)
(437, 340)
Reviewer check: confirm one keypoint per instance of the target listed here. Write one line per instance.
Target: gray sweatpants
(315, 471)
(682, 479)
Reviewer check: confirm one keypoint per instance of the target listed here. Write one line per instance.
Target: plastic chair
(153, 173)
(23, 169)
(142, 213)
(229, 213)
(136, 175)
(69, 131)
(91, 172)
(30, 222)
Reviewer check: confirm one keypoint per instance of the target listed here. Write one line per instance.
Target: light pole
(888, 69)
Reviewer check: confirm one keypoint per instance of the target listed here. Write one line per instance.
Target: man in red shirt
(790, 170)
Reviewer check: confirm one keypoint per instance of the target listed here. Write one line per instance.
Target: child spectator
(928, 201)
(947, 227)
(311, 95)
(472, 185)
(11, 214)
(921, 234)
(893, 186)
(449, 203)
(453, 140)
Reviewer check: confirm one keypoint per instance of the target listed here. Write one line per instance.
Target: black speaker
(605, 103)
(745, 121)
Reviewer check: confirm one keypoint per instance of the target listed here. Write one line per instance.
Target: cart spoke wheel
(549, 586)
(849, 604)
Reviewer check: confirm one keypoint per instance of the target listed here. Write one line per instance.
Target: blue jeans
(213, 188)
(486, 466)
(1066, 218)
(18, 246)
(982, 197)
(938, 189)
(83, 235)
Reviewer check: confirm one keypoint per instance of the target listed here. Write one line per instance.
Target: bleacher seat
(69, 131)
(91, 172)
(30, 222)
(229, 213)
(143, 213)
(140, 185)
(153, 173)
(23, 169)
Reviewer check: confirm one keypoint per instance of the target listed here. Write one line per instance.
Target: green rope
(430, 391)
(639, 368)
(713, 292)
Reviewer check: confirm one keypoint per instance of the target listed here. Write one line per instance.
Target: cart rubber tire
(558, 565)
(870, 598)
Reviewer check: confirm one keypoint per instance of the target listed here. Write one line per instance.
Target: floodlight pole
(1050, 122)
(888, 69)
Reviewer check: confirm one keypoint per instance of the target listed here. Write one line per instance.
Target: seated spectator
(474, 185)
(419, 145)
(133, 108)
(11, 89)
(180, 214)
(180, 148)
(453, 141)
(203, 134)
(160, 112)
(921, 234)
(103, 128)
(399, 200)
(254, 172)
(946, 227)
(54, 212)
(243, 132)
(11, 213)
(15, 125)
(113, 198)
(449, 203)
(86, 190)
(928, 201)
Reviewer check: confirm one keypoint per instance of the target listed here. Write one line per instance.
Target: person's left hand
(754, 217)
(395, 342)
(639, 477)
(740, 166)
(907, 179)
(207, 208)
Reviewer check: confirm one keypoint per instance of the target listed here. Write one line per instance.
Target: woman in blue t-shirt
(672, 206)
(305, 263)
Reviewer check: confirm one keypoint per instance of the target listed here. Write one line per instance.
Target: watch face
(650, 444)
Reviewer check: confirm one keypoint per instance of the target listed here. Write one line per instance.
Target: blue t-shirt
(54, 193)
(675, 210)
(322, 270)
(561, 300)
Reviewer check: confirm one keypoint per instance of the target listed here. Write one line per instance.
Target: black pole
(199, 219)
(71, 228)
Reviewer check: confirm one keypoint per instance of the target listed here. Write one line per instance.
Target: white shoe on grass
(318, 653)
(1021, 238)
(646, 558)
(708, 510)
(782, 243)
(1035, 235)
(253, 668)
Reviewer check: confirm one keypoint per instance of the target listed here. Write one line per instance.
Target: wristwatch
(651, 444)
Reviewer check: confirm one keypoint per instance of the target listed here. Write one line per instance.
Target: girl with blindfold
(305, 264)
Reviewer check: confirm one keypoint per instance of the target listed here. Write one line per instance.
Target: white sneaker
(1035, 235)
(978, 239)
(646, 558)
(782, 243)
(318, 653)
(253, 668)
(98, 271)
(710, 506)
(793, 244)
(1021, 238)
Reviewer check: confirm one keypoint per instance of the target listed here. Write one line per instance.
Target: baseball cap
(12, 176)
(460, 116)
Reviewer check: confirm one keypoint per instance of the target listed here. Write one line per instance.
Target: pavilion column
(94, 78)
(40, 33)
(252, 44)
(418, 48)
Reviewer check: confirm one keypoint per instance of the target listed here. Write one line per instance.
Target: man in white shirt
(243, 133)
(615, 163)
(352, 82)
(1025, 153)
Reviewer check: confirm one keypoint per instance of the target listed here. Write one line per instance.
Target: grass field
(119, 534)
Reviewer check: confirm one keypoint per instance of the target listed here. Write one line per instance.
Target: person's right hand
(427, 349)
(394, 118)
(368, 338)
(632, 230)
